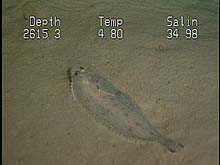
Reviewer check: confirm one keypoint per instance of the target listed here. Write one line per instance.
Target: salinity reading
(182, 27)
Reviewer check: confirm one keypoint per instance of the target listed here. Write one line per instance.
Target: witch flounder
(114, 109)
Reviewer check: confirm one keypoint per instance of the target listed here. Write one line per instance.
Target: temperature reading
(110, 28)
(101, 33)
(117, 33)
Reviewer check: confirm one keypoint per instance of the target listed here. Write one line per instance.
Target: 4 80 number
(114, 33)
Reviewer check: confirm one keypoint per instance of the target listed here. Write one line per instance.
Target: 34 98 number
(189, 33)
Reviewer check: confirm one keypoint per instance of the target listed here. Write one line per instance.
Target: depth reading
(38, 28)
(115, 31)
(189, 26)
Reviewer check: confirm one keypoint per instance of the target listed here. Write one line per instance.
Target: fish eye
(77, 72)
(82, 69)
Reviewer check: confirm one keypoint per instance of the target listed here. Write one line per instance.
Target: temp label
(110, 28)
(43, 28)
(182, 27)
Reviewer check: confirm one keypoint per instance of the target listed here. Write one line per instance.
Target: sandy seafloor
(175, 82)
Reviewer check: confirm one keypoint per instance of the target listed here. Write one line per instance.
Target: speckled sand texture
(174, 82)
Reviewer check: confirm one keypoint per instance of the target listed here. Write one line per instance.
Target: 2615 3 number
(40, 34)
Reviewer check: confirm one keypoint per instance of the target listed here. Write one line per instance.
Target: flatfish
(115, 109)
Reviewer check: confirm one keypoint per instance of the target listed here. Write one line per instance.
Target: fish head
(86, 76)
(79, 72)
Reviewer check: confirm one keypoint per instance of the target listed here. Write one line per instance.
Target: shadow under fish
(114, 109)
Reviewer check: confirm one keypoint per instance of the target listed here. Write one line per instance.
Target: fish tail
(170, 144)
